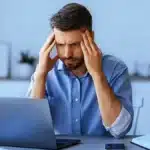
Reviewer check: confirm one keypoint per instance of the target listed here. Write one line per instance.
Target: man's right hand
(45, 62)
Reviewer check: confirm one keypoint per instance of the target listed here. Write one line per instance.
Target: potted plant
(26, 65)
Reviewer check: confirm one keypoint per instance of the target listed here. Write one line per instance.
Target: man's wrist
(100, 80)
(40, 76)
(98, 76)
(39, 73)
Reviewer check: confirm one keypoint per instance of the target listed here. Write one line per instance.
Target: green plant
(26, 58)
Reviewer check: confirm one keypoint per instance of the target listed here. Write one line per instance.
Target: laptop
(142, 141)
(27, 123)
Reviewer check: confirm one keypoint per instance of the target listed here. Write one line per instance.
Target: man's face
(68, 48)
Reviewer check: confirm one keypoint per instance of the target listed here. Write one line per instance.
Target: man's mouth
(69, 60)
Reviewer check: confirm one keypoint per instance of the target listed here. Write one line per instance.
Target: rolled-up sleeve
(121, 124)
(121, 85)
(30, 86)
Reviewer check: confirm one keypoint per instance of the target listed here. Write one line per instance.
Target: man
(89, 93)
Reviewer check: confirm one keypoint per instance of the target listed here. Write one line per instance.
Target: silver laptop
(27, 123)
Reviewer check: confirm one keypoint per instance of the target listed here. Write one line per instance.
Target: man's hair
(71, 17)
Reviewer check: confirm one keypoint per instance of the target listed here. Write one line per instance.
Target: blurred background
(122, 28)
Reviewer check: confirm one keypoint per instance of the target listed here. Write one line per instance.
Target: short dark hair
(71, 17)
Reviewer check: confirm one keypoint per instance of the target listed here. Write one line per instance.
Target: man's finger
(89, 36)
(83, 48)
(90, 40)
(94, 47)
(48, 42)
(49, 49)
(87, 44)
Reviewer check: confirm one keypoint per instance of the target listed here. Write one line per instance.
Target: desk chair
(137, 105)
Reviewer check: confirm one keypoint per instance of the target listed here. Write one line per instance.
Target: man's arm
(109, 105)
(45, 64)
(37, 87)
(115, 102)
(111, 101)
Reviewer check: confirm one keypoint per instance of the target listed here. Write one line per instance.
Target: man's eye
(75, 44)
(59, 45)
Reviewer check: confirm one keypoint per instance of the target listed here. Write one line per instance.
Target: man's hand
(44, 66)
(45, 62)
(92, 55)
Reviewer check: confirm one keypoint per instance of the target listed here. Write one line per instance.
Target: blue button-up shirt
(74, 104)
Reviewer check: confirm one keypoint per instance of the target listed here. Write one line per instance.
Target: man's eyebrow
(75, 42)
(59, 43)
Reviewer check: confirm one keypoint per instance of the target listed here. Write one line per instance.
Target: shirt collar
(60, 65)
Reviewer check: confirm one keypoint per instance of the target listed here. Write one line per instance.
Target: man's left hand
(92, 55)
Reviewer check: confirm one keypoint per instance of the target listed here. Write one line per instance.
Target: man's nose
(68, 52)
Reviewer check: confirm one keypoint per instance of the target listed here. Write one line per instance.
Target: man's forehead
(68, 36)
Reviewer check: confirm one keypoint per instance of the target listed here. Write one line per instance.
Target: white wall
(121, 27)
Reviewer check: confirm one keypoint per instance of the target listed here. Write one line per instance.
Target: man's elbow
(123, 133)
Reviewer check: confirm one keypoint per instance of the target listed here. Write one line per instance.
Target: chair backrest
(137, 105)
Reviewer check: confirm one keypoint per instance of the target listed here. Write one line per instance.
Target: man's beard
(73, 63)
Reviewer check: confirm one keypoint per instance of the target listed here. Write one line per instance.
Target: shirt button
(76, 120)
(76, 99)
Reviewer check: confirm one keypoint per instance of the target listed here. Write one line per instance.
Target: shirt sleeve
(121, 86)
(121, 124)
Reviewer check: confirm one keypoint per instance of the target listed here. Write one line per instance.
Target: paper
(143, 141)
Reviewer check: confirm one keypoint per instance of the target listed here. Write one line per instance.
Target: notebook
(143, 141)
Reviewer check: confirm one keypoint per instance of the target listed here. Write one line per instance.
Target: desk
(93, 143)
